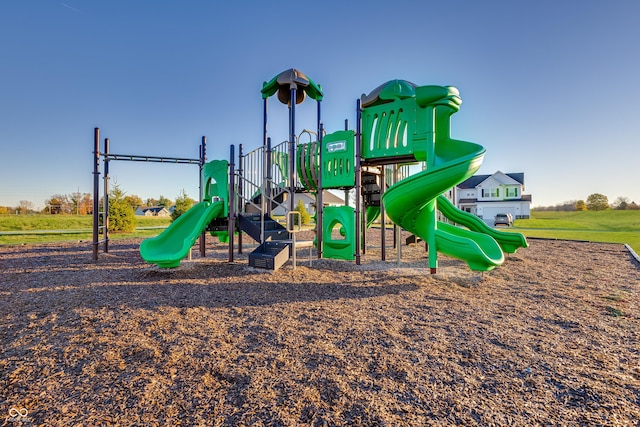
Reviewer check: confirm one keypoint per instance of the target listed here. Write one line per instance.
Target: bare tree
(59, 204)
(86, 204)
(621, 203)
(25, 206)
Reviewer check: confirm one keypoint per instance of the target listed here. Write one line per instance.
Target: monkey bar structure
(107, 157)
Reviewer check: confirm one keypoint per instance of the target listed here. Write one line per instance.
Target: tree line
(594, 202)
(82, 204)
(79, 204)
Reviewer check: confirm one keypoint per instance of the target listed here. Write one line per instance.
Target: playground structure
(397, 124)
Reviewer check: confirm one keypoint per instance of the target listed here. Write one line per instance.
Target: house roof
(476, 180)
(467, 200)
(154, 209)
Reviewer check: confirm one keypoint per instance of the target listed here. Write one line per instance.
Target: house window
(495, 192)
(512, 193)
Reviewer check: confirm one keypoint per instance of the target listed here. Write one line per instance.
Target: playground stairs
(275, 251)
(270, 255)
(250, 223)
(281, 195)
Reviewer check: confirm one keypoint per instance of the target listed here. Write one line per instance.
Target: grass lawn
(609, 226)
(74, 227)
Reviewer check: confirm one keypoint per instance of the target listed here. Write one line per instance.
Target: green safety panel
(343, 219)
(215, 175)
(281, 161)
(388, 129)
(398, 119)
(338, 158)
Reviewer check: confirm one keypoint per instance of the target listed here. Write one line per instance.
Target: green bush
(122, 217)
(305, 217)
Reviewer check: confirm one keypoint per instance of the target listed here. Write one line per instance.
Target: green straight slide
(174, 243)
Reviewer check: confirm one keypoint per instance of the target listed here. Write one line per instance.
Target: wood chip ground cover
(548, 338)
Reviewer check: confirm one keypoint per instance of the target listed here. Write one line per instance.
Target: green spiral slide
(411, 203)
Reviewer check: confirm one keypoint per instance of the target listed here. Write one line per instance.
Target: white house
(488, 195)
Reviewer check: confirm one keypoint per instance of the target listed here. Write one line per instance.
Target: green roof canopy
(401, 89)
(388, 92)
(282, 85)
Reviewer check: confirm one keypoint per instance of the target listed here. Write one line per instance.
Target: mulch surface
(549, 338)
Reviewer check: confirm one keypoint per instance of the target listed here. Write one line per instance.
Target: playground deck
(551, 339)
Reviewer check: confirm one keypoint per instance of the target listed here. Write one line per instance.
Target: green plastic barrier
(338, 157)
(389, 120)
(342, 247)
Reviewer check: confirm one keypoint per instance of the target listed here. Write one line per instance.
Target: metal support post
(358, 171)
(203, 160)
(96, 191)
(383, 225)
(232, 199)
(240, 189)
(319, 197)
(106, 196)
(292, 147)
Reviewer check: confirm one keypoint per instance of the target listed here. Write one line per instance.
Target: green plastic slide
(372, 213)
(174, 243)
(480, 251)
(508, 241)
(411, 204)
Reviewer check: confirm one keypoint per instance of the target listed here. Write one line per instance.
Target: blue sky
(549, 88)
